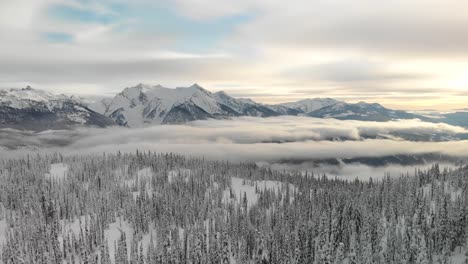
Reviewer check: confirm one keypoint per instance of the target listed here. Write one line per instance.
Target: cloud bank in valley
(250, 138)
(283, 142)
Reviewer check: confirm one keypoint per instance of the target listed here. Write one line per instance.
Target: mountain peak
(195, 86)
(140, 85)
(146, 104)
(135, 91)
(198, 87)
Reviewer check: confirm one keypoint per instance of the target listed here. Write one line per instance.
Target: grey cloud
(397, 27)
(345, 71)
(379, 93)
(247, 94)
(250, 139)
(99, 71)
(461, 93)
(106, 60)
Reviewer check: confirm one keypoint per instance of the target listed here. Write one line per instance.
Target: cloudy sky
(403, 54)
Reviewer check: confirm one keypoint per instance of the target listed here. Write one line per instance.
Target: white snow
(145, 104)
(309, 105)
(78, 118)
(241, 187)
(112, 234)
(57, 171)
(73, 227)
(145, 175)
(448, 189)
(23, 98)
(456, 258)
(146, 239)
(184, 173)
(3, 229)
(345, 114)
(237, 104)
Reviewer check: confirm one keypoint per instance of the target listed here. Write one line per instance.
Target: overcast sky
(403, 54)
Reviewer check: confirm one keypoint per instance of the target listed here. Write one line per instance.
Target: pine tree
(339, 254)
(422, 252)
(105, 258)
(141, 258)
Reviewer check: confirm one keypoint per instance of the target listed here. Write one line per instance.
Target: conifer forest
(147, 207)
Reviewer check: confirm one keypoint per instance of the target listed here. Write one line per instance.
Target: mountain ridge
(144, 105)
(37, 110)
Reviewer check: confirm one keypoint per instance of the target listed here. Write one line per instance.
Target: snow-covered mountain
(310, 105)
(245, 106)
(331, 108)
(284, 110)
(38, 110)
(144, 105)
(361, 111)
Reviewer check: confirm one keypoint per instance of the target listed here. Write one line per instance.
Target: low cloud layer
(250, 138)
(294, 143)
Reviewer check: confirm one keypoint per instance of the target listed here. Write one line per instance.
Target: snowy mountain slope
(362, 111)
(245, 106)
(331, 108)
(309, 105)
(27, 97)
(149, 105)
(38, 110)
(284, 110)
(459, 118)
(143, 104)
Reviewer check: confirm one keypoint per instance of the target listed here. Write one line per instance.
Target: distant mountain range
(31, 109)
(144, 105)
